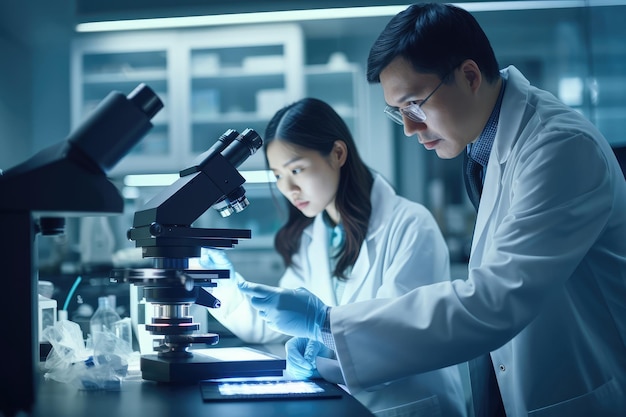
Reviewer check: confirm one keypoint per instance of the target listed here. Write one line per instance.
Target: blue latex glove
(294, 312)
(211, 258)
(301, 354)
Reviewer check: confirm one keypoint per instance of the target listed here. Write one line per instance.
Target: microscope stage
(212, 363)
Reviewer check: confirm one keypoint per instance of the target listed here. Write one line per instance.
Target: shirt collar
(479, 150)
(336, 233)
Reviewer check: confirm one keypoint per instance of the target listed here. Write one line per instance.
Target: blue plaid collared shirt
(480, 150)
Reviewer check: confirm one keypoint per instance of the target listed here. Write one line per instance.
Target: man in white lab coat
(543, 309)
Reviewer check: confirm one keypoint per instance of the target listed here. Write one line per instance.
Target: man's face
(449, 124)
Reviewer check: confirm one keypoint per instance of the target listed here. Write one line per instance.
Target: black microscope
(67, 179)
(164, 232)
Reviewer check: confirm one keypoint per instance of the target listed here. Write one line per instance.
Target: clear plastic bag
(85, 366)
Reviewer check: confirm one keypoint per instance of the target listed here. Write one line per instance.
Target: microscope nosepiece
(235, 202)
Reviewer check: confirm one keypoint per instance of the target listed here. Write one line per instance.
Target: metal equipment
(65, 179)
(163, 230)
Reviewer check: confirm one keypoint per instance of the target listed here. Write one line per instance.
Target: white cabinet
(210, 80)
(343, 85)
(340, 85)
(119, 62)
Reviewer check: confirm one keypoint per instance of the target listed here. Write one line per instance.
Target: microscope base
(211, 364)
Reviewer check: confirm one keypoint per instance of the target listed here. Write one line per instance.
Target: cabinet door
(120, 62)
(210, 80)
(238, 78)
(341, 87)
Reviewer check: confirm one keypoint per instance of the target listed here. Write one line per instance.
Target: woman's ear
(340, 152)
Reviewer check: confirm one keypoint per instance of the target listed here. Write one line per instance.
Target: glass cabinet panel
(337, 87)
(123, 72)
(238, 87)
(210, 80)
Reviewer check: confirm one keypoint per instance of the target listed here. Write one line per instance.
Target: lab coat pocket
(599, 402)
(427, 407)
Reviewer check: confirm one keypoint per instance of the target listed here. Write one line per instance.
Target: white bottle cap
(62, 315)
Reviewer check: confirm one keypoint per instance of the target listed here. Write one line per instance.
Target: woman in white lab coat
(348, 238)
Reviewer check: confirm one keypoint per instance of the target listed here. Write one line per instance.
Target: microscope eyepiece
(113, 128)
(252, 140)
(236, 152)
(245, 145)
(145, 99)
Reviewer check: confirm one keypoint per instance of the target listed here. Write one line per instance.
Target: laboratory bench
(137, 396)
(148, 398)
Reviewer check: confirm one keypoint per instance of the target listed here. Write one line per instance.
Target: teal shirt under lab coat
(403, 249)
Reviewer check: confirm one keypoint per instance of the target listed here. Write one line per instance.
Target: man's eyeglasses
(414, 110)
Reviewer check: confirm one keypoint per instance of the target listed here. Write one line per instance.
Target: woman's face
(305, 177)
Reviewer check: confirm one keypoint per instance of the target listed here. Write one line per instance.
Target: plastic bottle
(96, 241)
(103, 319)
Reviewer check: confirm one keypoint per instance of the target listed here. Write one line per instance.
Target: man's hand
(294, 312)
(301, 354)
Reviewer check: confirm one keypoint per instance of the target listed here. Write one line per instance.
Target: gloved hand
(294, 312)
(301, 354)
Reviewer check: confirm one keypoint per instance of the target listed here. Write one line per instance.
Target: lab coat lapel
(511, 114)
(358, 276)
(491, 191)
(382, 199)
(319, 262)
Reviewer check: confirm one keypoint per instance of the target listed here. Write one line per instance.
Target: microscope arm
(163, 227)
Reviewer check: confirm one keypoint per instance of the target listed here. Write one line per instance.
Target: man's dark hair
(434, 38)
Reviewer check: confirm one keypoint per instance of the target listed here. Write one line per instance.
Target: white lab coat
(403, 249)
(546, 291)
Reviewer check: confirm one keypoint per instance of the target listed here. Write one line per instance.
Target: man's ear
(472, 74)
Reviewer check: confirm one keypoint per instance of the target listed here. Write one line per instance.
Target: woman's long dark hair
(312, 124)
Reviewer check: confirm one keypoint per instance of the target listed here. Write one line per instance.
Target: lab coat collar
(382, 198)
(317, 252)
(511, 114)
(515, 98)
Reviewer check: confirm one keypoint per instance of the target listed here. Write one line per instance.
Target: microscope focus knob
(156, 229)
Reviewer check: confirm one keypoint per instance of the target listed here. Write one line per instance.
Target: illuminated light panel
(322, 14)
(164, 180)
